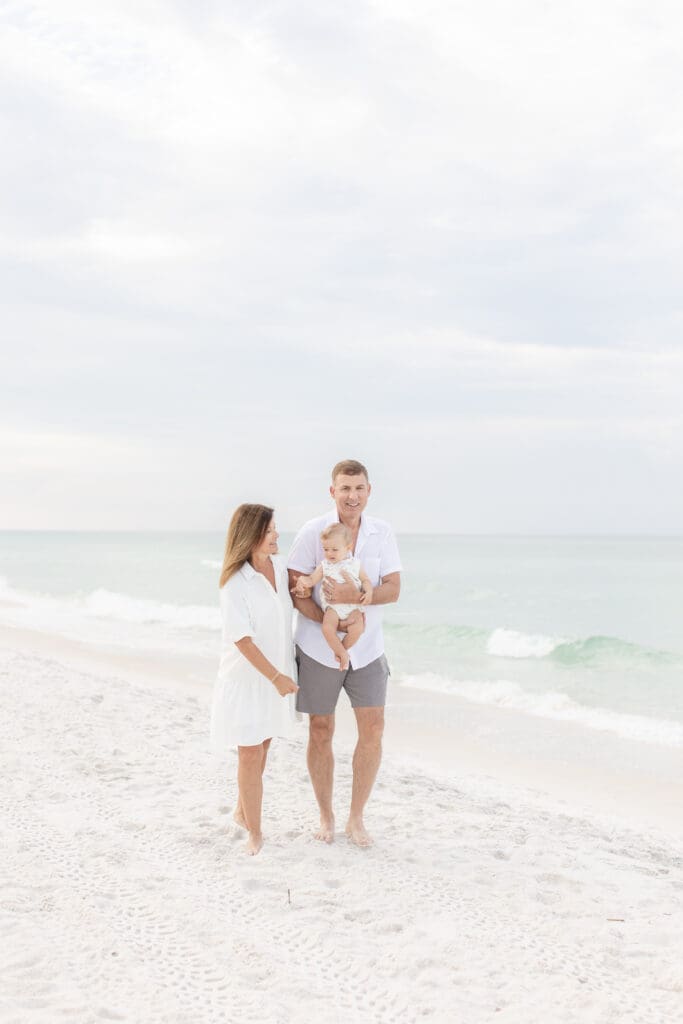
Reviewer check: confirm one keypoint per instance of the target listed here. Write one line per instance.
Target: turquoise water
(576, 628)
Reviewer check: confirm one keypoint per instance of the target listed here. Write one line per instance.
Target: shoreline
(628, 782)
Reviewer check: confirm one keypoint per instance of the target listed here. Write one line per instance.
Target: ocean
(586, 630)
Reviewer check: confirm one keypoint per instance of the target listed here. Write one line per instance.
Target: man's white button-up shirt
(378, 553)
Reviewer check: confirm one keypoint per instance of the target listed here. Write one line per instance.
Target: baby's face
(335, 549)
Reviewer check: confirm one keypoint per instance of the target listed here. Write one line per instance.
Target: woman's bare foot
(254, 843)
(239, 819)
(326, 831)
(357, 833)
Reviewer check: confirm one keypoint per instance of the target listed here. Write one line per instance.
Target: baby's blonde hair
(337, 529)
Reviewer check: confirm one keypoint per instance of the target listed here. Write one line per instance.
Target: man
(365, 681)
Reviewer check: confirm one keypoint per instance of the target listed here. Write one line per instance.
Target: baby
(336, 540)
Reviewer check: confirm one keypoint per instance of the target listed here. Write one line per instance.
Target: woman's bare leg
(251, 762)
(238, 815)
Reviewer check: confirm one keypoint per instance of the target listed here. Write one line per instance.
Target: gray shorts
(320, 686)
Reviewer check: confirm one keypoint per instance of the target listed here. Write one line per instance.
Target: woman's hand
(366, 596)
(303, 587)
(284, 685)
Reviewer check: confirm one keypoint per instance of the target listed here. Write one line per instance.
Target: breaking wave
(504, 693)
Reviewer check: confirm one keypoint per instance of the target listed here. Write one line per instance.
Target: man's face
(350, 494)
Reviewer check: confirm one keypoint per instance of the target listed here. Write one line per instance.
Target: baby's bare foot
(326, 831)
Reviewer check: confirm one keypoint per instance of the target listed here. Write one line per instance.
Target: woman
(254, 693)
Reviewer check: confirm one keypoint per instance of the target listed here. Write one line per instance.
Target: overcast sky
(241, 241)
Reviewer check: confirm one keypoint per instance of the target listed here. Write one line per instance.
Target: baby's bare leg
(330, 624)
(355, 628)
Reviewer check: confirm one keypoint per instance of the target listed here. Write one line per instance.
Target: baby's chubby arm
(365, 586)
(304, 584)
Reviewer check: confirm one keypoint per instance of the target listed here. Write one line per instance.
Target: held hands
(303, 587)
(284, 685)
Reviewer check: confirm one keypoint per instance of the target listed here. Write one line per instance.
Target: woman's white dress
(247, 708)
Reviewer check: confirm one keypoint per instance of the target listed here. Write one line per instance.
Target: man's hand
(341, 593)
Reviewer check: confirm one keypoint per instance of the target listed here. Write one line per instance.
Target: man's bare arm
(388, 590)
(306, 605)
(365, 586)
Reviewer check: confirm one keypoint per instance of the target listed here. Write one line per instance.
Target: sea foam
(108, 604)
(504, 693)
(595, 651)
(109, 617)
(508, 643)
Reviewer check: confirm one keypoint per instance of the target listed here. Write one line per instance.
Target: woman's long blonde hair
(248, 527)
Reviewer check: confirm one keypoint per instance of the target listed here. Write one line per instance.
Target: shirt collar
(367, 523)
(248, 571)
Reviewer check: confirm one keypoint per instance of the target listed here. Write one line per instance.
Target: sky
(240, 241)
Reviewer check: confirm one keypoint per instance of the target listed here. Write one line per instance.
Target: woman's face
(268, 546)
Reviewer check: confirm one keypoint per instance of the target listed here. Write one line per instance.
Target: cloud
(375, 225)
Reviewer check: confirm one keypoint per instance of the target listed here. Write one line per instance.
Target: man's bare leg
(321, 769)
(366, 761)
(355, 629)
(238, 815)
(330, 625)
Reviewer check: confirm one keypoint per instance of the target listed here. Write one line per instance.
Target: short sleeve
(235, 611)
(390, 560)
(303, 554)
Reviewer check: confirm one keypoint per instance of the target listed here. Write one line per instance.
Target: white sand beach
(125, 895)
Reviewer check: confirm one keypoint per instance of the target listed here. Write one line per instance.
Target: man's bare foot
(357, 833)
(239, 818)
(254, 843)
(326, 831)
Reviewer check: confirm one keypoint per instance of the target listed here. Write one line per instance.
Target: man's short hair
(349, 467)
(337, 529)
